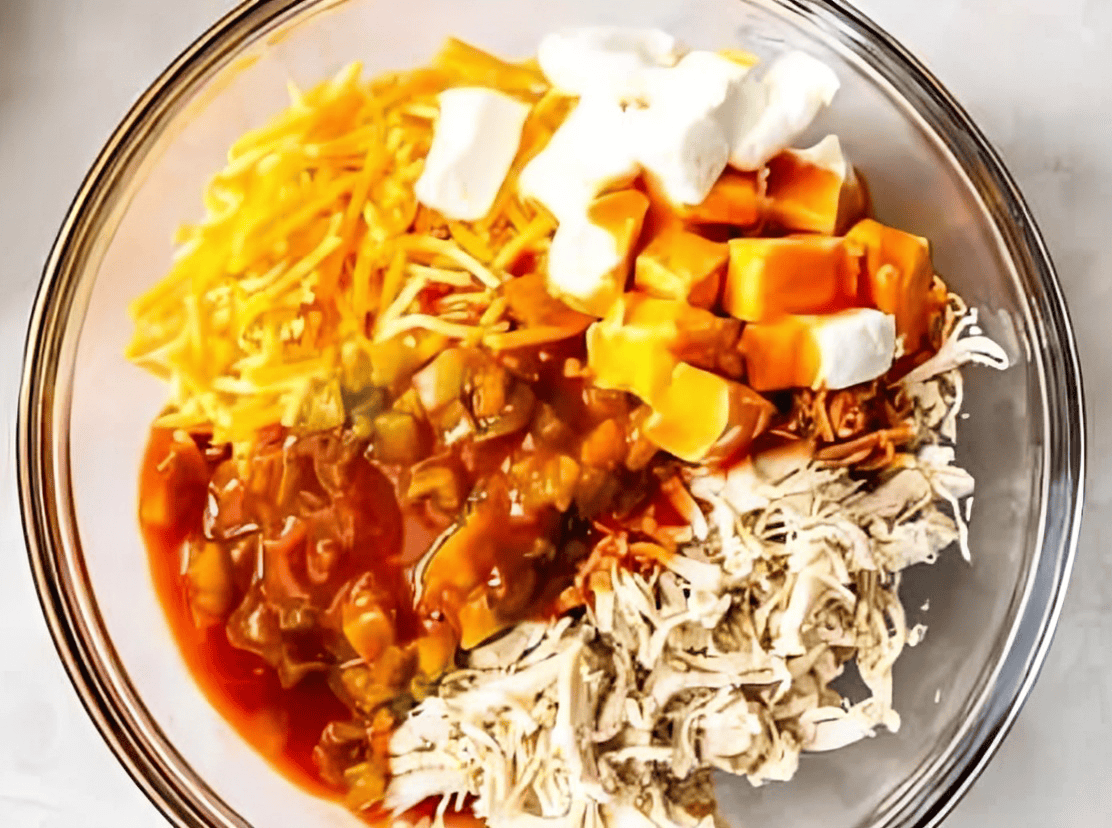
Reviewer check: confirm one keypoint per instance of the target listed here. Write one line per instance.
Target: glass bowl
(84, 411)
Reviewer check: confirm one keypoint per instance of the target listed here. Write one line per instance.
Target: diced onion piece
(209, 579)
(442, 380)
(367, 625)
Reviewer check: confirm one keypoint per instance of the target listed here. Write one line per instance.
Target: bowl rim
(147, 756)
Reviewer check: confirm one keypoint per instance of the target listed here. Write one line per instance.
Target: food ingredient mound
(722, 659)
(544, 437)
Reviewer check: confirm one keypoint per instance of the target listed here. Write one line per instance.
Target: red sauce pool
(282, 724)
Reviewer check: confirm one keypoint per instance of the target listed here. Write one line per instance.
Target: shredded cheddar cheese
(312, 258)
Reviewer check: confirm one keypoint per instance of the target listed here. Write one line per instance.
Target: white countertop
(1034, 74)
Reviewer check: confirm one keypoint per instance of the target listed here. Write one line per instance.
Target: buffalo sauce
(287, 575)
(282, 724)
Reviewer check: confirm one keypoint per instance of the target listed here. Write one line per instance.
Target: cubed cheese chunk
(474, 143)
(772, 111)
(591, 151)
(834, 351)
(814, 190)
(898, 277)
(642, 339)
(679, 264)
(732, 200)
(797, 274)
(629, 359)
(590, 258)
(781, 354)
(700, 414)
(604, 60)
(855, 346)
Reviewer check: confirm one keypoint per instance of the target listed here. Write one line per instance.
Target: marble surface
(1032, 73)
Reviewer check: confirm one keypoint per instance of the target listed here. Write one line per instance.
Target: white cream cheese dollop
(773, 110)
(591, 151)
(682, 132)
(827, 154)
(604, 60)
(854, 346)
(474, 143)
(590, 257)
(646, 107)
(586, 267)
(680, 117)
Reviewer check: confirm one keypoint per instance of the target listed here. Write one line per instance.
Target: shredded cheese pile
(304, 282)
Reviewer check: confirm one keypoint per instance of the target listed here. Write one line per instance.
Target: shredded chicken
(723, 658)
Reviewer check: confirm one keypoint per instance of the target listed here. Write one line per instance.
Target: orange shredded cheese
(309, 254)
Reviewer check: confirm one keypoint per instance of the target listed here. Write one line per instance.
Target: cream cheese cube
(585, 266)
(476, 137)
(591, 151)
(590, 258)
(682, 135)
(604, 60)
(686, 150)
(827, 154)
(771, 112)
(854, 346)
(701, 80)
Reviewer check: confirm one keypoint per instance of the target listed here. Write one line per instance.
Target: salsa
(282, 724)
(321, 582)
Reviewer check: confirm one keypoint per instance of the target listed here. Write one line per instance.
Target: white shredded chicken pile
(722, 660)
